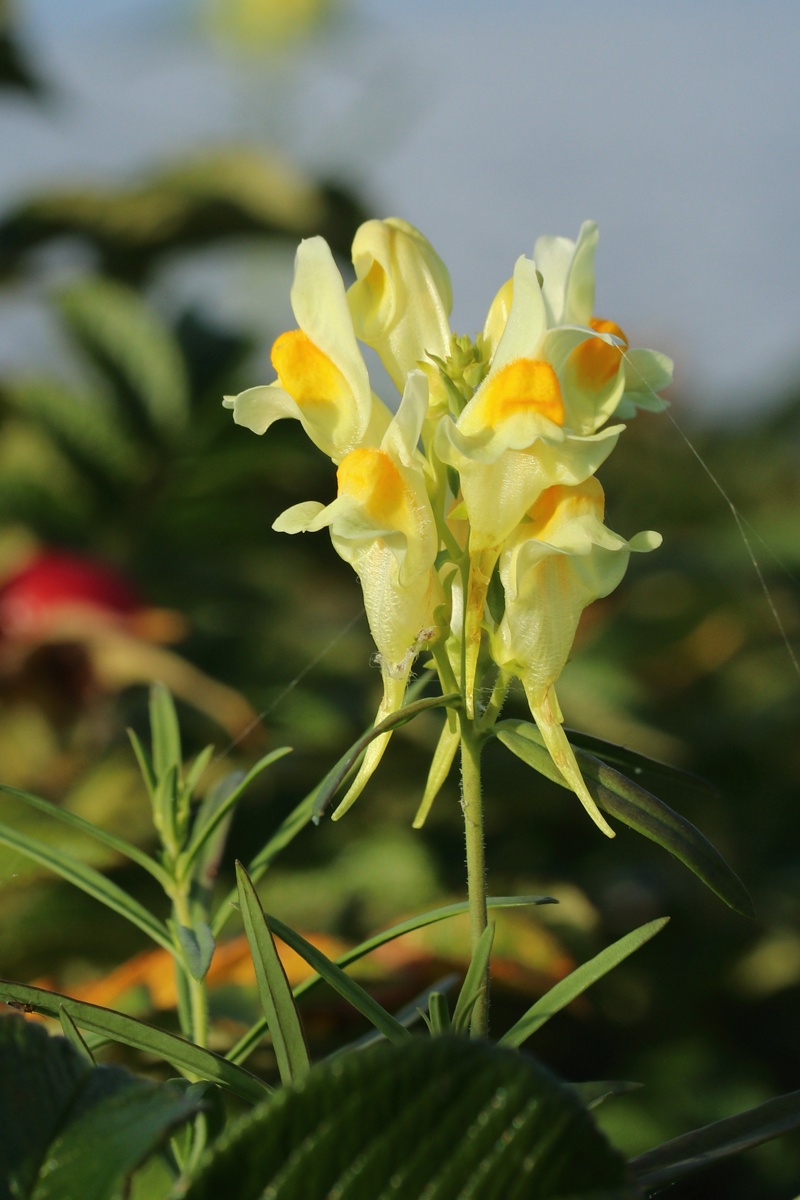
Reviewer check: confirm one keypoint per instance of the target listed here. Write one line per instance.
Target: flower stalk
(469, 507)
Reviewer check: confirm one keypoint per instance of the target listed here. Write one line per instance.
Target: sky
(674, 126)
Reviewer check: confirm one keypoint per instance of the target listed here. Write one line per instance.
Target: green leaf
(145, 764)
(120, 845)
(567, 990)
(277, 1000)
(446, 1117)
(442, 761)
(475, 980)
(165, 733)
(288, 829)
(88, 880)
(703, 1147)
(333, 974)
(635, 763)
(74, 1036)
(337, 775)
(221, 801)
(250, 1040)
(636, 808)
(68, 1129)
(439, 1014)
(198, 946)
(185, 1056)
(132, 347)
(84, 423)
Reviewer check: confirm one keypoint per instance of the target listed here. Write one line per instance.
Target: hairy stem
(472, 807)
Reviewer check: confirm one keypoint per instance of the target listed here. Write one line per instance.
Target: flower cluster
(470, 510)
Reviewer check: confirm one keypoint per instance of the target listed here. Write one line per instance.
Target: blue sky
(674, 126)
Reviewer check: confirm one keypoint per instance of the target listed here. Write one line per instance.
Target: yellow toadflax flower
(560, 559)
(483, 481)
(322, 378)
(381, 522)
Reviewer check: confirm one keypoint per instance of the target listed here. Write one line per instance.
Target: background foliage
(121, 451)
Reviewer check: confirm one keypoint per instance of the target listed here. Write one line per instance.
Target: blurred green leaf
(131, 347)
(391, 1120)
(664, 1164)
(219, 195)
(85, 423)
(70, 1129)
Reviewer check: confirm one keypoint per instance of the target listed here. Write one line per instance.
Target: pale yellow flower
(560, 559)
(381, 522)
(322, 378)
(401, 300)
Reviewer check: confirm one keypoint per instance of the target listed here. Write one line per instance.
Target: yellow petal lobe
(305, 372)
(594, 361)
(523, 385)
(564, 502)
(372, 478)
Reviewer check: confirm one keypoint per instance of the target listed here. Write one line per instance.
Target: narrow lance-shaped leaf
(188, 1058)
(703, 1147)
(334, 779)
(351, 991)
(277, 1000)
(637, 808)
(567, 990)
(250, 1040)
(165, 732)
(88, 880)
(120, 845)
(208, 821)
(475, 980)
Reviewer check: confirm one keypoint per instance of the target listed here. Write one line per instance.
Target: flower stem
(472, 808)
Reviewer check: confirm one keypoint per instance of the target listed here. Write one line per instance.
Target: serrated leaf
(70, 1129)
(703, 1147)
(133, 348)
(576, 983)
(446, 1117)
(637, 808)
(117, 1027)
(277, 1001)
